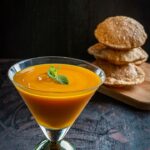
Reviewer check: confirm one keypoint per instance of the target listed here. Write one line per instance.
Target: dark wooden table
(105, 124)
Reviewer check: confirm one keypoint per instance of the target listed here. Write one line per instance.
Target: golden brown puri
(135, 55)
(139, 62)
(121, 76)
(121, 32)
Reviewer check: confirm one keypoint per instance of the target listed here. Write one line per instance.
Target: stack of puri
(119, 52)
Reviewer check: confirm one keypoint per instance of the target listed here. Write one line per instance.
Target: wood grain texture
(105, 124)
(137, 96)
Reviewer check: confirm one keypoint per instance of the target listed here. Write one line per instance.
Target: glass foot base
(61, 145)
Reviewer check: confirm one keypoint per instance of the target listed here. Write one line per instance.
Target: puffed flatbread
(139, 62)
(121, 32)
(121, 76)
(135, 55)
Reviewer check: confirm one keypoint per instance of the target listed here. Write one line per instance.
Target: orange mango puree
(55, 105)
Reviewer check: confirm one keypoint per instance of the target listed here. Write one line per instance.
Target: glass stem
(54, 135)
(55, 146)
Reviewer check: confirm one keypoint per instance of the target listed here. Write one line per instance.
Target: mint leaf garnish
(53, 74)
(62, 79)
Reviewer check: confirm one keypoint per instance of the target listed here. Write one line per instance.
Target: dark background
(31, 28)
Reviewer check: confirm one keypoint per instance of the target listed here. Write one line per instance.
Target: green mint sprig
(53, 74)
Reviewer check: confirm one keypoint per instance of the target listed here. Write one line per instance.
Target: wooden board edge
(123, 98)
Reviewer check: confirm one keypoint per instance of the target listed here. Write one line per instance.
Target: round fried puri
(121, 32)
(135, 55)
(139, 62)
(121, 76)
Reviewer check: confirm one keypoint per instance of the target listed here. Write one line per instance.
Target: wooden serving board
(137, 96)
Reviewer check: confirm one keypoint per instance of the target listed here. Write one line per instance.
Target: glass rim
(102, 77)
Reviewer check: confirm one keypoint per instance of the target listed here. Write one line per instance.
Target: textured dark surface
(105, 124)
(30, 28)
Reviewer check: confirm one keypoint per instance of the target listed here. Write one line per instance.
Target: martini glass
(57, 111)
